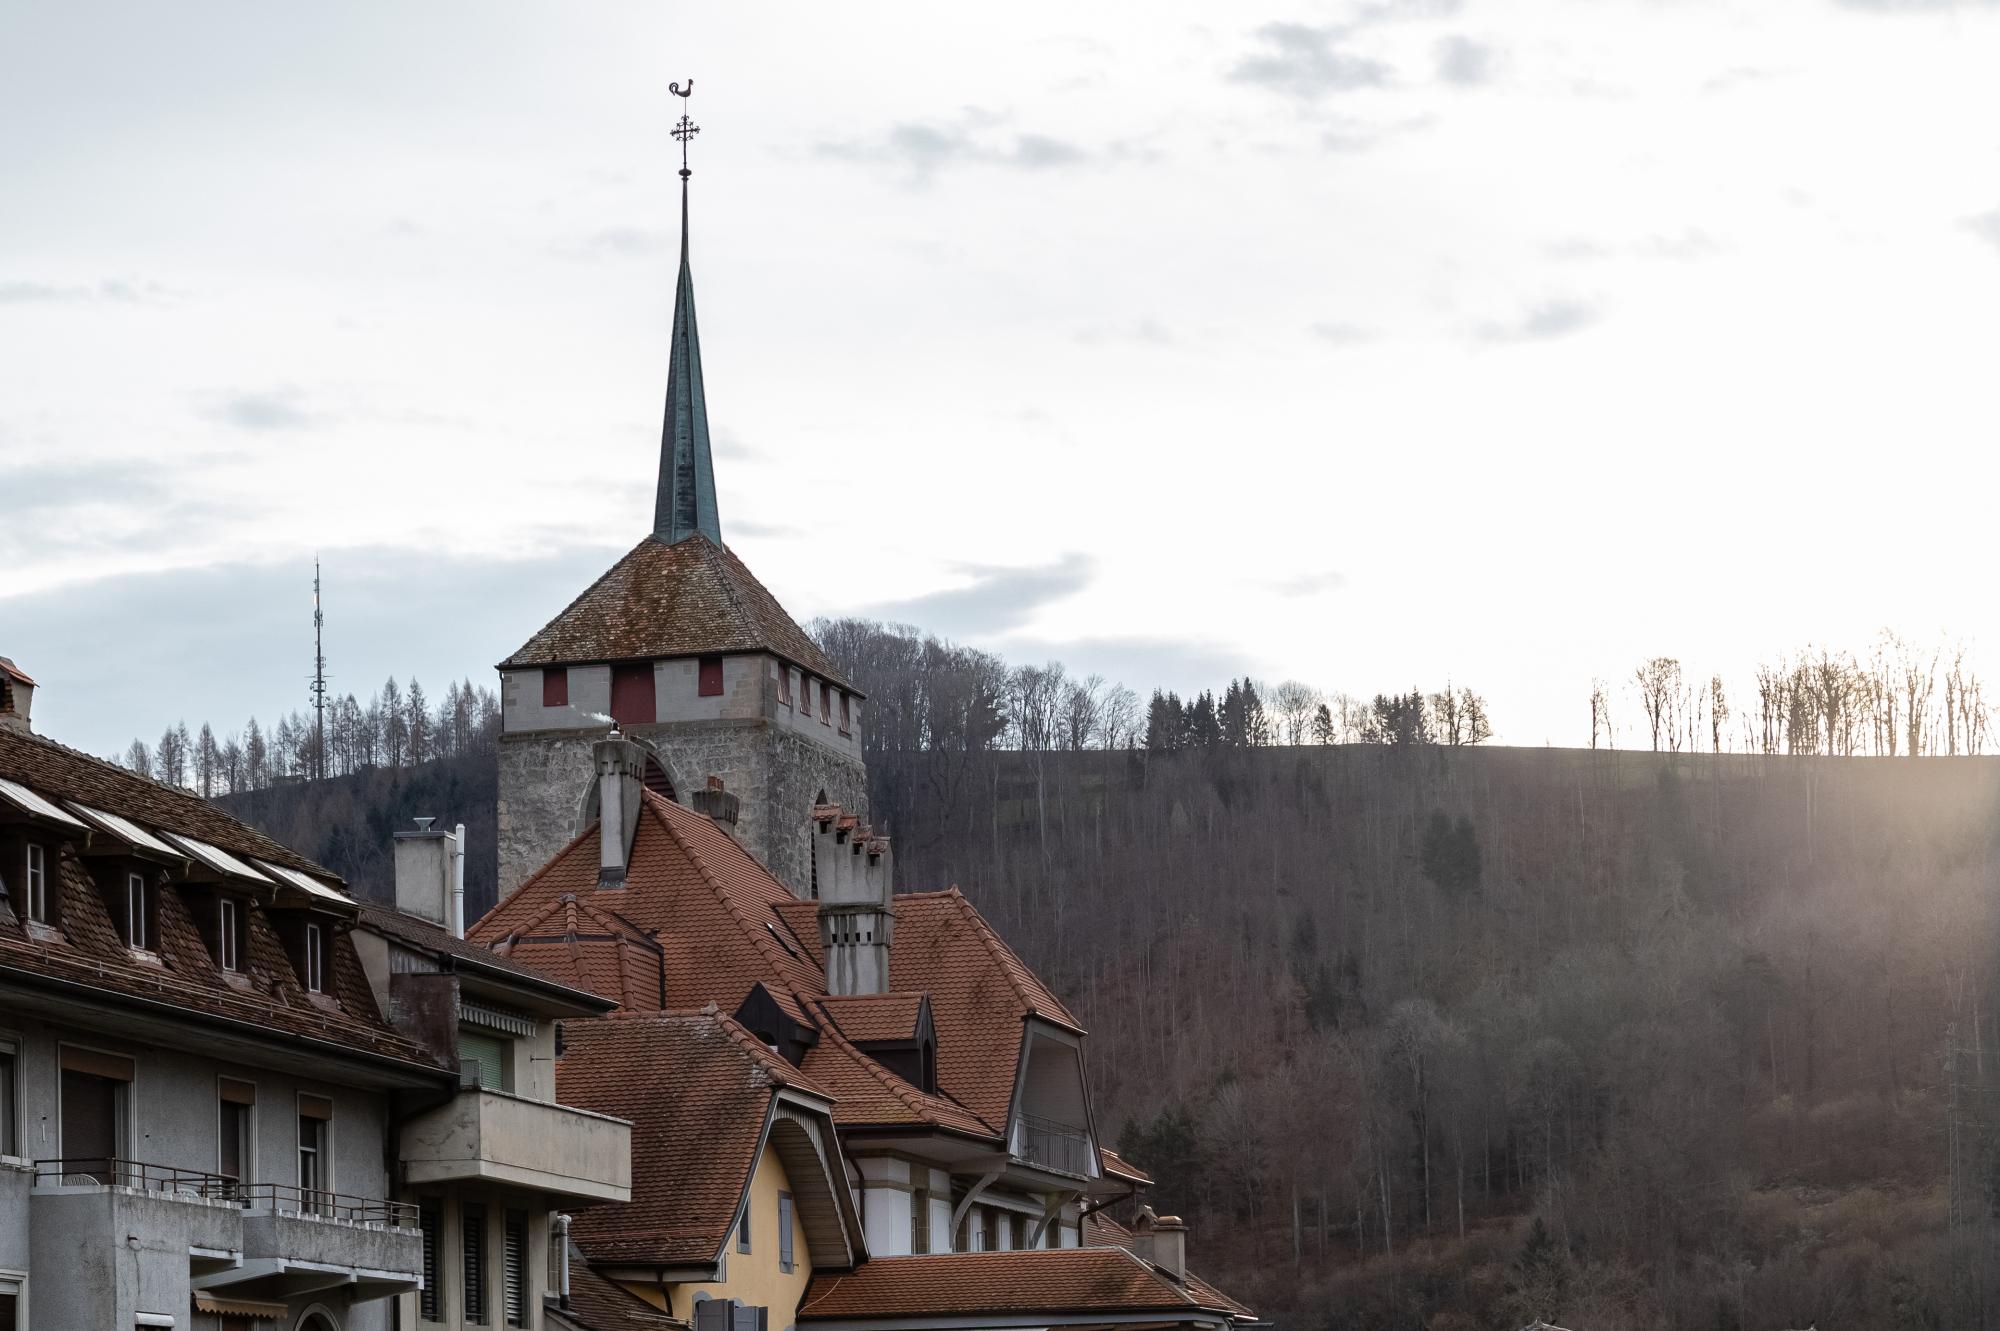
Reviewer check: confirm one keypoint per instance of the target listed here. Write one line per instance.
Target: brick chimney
(1161, 1240)
(621, 771)
(853, 879)
(17, 696)
(719, 804)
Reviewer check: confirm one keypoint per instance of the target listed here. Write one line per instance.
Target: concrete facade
(96, 1255)
(776, 756)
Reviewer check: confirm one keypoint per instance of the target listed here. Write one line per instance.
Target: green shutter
(487, 1054)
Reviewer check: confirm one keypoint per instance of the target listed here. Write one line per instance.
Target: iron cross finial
(686, 129)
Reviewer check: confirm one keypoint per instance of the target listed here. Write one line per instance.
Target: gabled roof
(1101, 1231)
(866, 1094)
(723, 925)
(1117, 1166)
(58, 771)
(875, 1018)
(698, 1090)
(1023, 1282)
(414, 931)
(691, 598)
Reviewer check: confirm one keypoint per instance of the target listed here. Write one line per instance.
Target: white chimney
(17, 696)
(1161, 1240)
(854, 875)
(621, 767)
(428, 875)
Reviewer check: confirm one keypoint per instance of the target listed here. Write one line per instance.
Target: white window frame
(228, 926)
(248, 1146)
(19, 1281)
(125, 1130)
(36, 874)
(137, 915)
(315, 958)
(322, 1152)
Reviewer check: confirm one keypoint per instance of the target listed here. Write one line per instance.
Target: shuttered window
(473, 1245)
(515, 1272)
(483, 1060)
(784, 1231)
(555, 687)
(632, 699)
(709, 676)
(430, 1300)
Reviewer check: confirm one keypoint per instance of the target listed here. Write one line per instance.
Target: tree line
(1899, 698)
(396, 728)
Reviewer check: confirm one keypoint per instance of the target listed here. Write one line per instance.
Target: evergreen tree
(1204, 731)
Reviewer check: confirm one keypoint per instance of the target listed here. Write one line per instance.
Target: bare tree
(1659, 683)
(1718, 713)
(1293, 704)
(1600, 715)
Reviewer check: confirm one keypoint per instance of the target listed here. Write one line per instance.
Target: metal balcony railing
(1053, 1145)
(107, 1171)
(326, 1205)
(271, 1197)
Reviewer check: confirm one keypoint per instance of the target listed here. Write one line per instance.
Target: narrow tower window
(709, 671)
(555, 686)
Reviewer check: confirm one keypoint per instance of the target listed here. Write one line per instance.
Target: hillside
(1721, 1023)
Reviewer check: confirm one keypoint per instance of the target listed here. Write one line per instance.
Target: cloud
(113, 291)
(1303, 61)
(1310, 584)
(977, 138)
(1140, 663)
(1687, 243)
(763, 531)
(615, 242)
(1986, 226)
(271, 409)
(1465, 62)
(994, 600)
(1541, 323)
(1916, 6)
(1342, 334)
(1147, 332)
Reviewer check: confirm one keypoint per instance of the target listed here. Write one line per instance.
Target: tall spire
(686, 502)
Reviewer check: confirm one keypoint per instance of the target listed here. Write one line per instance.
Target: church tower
(680, 648)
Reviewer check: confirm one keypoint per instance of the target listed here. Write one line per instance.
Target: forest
(1419, 1032)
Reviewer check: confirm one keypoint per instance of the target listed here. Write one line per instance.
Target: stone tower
(683, 650)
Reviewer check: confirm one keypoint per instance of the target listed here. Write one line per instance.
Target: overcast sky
(1368, 343)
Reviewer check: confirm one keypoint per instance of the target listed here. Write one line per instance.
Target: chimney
(718, 804)
(427, 871)
(1161, 1240)
(621, 768)
(17, 696)
(853, 877)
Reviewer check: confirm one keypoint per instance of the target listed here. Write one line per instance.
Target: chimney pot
(716, 801)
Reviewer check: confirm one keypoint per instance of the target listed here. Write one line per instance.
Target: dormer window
(708, 676)
(141, 922)
(312, 958)
(37, 881)
(229, 934)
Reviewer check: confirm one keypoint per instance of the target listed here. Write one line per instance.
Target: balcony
(1048, 1144)
(490, 1136)
(256, 1241)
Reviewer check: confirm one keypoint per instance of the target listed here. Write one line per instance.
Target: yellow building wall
(754, 1277)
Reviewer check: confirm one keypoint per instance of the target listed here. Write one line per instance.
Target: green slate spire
(686, 502)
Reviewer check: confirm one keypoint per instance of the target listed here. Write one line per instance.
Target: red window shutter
(711, 676)
(843, 713)
(555, 687)
(632, 694)
(825, 701)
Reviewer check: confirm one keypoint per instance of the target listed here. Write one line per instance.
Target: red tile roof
(866, 1094)
(599, 1304)
(1117, 1166)
(1101, 1231)
(724, 924)
(691, 598)
(872, 1018)
(1028, 1281)
(58, 771)
(696, 1096)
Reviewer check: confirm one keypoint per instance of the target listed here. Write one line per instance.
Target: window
(920, 1221)
(555, 687)
(708, 671)
(10, 1133)
(825, 702)
(472, 1251)
(784, 1231)
(313, 971)
(10, 1304)
(430, 1299)
(632, 700)
(485, 1060)
(989, 1237)
(843, 713)
(785, 685)
(514, 1268)
(1052, 1234)
(1020, 1230)
(229, 934)
(140, 924)
(315, 1167)
(38, 884)
(743, 1228)
(95, 1090)
(236, 1100)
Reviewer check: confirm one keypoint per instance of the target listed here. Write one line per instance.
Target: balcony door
(92, 1107)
